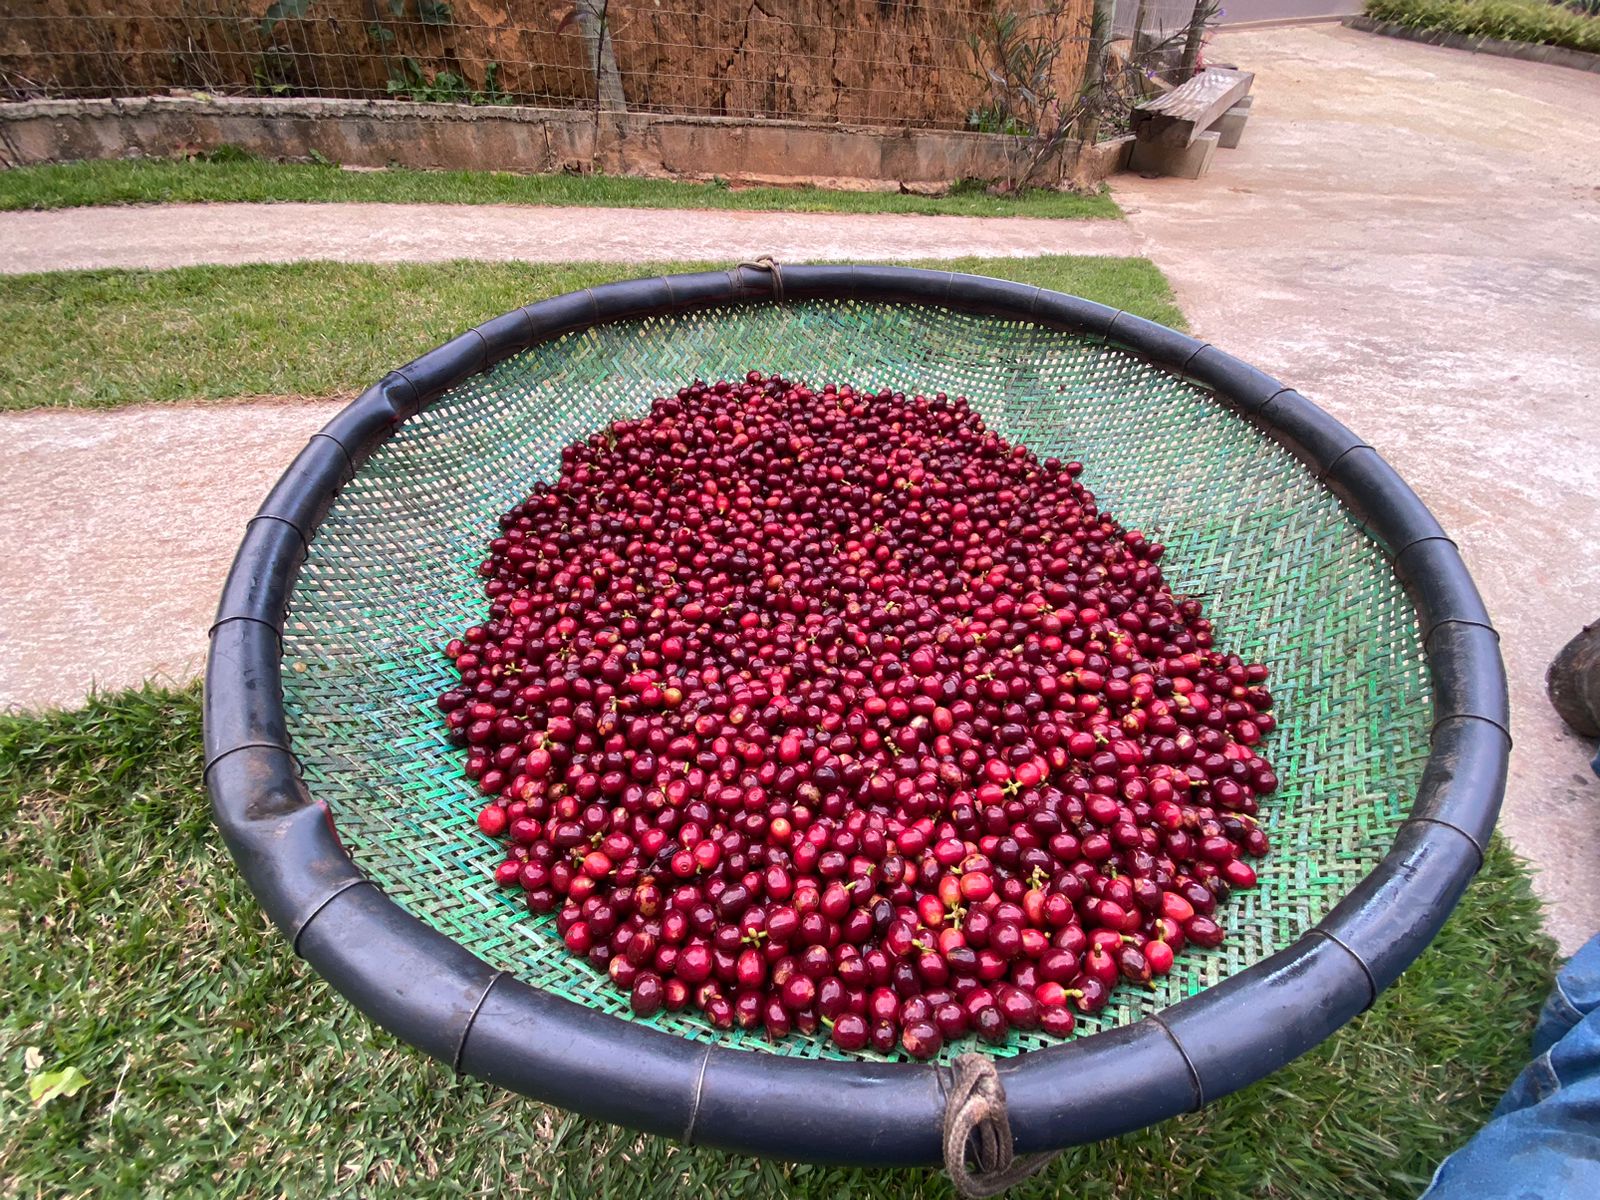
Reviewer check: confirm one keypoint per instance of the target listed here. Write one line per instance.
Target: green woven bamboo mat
(1284, 572)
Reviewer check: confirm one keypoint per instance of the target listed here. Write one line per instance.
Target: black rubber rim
(433, 993)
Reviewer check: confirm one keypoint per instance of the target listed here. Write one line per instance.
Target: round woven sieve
(1309, 554)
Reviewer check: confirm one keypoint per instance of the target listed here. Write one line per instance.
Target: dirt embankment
(870, 61)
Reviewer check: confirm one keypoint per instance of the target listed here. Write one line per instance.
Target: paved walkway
(1411, 235)
(182, 235)
(130, 521)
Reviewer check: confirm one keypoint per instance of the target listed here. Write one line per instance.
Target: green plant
(284, 10)
(1015, 55)
(446, 87)
(429, 12)
(228, 152)
(275, 67)
(492, 93)
(410, 80)
(1017, 59)
(270, 71)
(425, 12)
(991, 119)
(1532, 21)
(1127, 81)
(408, 76)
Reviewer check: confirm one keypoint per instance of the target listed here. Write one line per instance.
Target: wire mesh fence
(991, 65)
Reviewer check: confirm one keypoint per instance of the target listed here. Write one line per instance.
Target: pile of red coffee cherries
(826, 708)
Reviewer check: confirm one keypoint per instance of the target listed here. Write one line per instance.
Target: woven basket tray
(1309, 553)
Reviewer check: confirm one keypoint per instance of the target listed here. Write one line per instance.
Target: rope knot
(770, 265)
(976, 1126)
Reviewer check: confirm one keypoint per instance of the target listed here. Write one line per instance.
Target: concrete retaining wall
(381, 133)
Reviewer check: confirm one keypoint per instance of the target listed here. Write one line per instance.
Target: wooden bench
(1178, 118)
(1171, 132)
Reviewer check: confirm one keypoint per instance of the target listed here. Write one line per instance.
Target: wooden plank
(1184, 113)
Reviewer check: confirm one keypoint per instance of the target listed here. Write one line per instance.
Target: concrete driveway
(1410, 235)
(1260, 12)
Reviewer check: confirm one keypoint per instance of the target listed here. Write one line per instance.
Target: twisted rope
(976, 1124)
(769, 264)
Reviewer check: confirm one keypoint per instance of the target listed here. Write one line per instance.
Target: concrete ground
(1410, 235)
(1167, 18)
(132, 519)
(1260, 12)
(181, 235)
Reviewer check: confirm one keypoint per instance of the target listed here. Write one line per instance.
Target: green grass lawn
(219, 1064)
(154, 181)
(99, 339)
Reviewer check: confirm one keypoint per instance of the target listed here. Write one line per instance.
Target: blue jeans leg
(1543, 1141)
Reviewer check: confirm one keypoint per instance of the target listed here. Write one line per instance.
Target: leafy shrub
(1505, 20)
(228, 152)
(446, 87)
